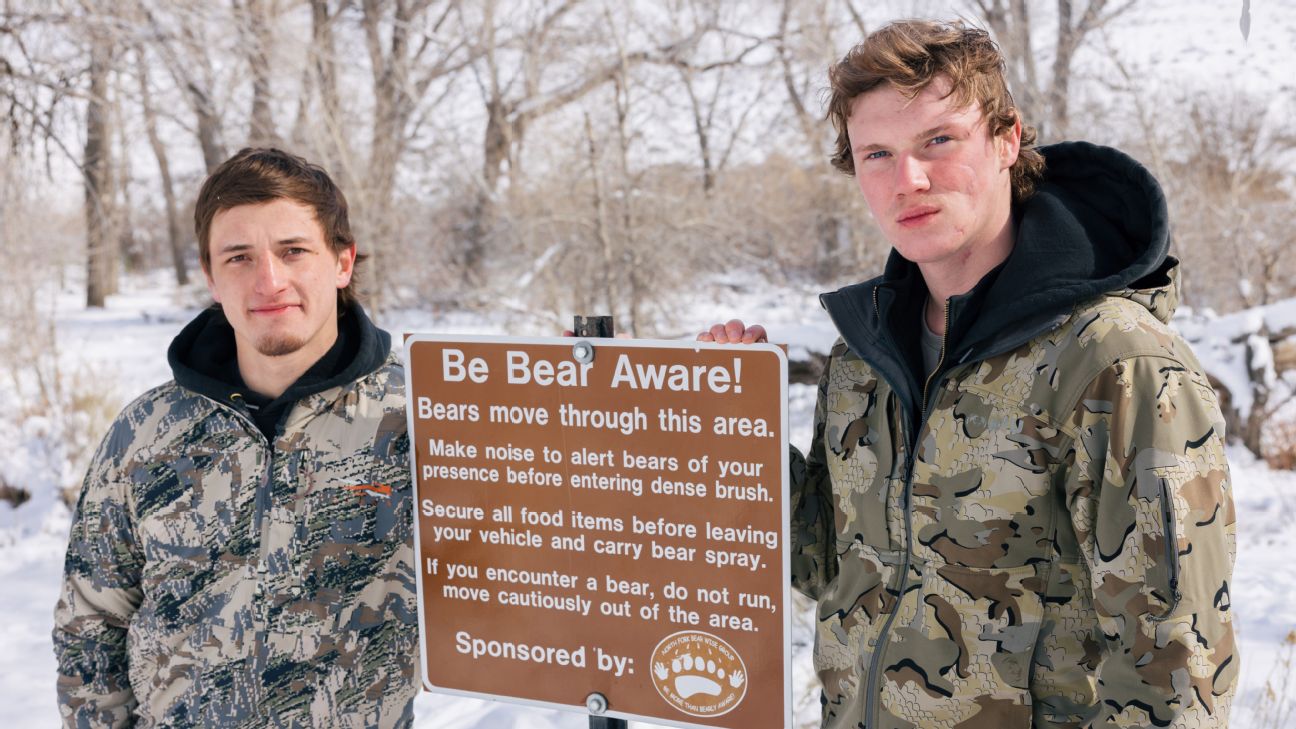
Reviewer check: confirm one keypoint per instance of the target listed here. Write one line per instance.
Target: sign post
(602, 526)
(597, 326)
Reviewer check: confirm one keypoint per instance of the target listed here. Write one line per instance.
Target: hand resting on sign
(734, 332)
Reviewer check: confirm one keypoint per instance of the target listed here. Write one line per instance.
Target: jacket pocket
(983, 481)
(352, 532)
(850, 615)
(1063, 681)
(860, 448)
(961, 651)
(193, 523)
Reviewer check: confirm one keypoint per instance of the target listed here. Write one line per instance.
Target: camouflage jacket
(216, 579)
(1041, 534)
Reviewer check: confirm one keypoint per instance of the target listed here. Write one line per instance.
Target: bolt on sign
(604, 517)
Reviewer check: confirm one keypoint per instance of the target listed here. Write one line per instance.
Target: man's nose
(269, 274)
(911, 175)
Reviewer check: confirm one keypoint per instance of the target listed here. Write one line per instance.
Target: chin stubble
(278, 346)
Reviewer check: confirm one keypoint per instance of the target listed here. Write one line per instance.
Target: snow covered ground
(122, 349)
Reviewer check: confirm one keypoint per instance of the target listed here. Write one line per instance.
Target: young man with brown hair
(241, 554)
(1016, 510)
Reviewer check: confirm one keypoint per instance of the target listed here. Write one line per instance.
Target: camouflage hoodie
(1041, 532)
(214, 578)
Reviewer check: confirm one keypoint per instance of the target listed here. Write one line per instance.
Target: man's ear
(1010, 143)
(346, 265)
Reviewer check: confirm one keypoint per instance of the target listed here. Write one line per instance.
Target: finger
(755, 334)
(568, 333)
(718, 333)
(705, 337)
(734, 330)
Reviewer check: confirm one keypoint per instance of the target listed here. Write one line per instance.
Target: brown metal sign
(604, 517)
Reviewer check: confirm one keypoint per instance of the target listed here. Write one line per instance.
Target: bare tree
(1045, 102)
(256, 21)
(96, 169)
(1229, 187)
(546, 76)
(411, 46)
(175, 239)
(709, 80)
(322, 128)
(804, 50)
(179, 32)
(512, 95)
(127, 242)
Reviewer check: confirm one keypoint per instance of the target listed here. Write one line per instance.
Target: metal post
(597, 326)
(593, 326)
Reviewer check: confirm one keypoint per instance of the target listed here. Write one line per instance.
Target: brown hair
(910, 55)
(262, 174)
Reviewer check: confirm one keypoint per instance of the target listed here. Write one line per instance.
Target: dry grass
(1277, 706)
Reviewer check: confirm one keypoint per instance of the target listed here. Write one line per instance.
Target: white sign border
(599, 344)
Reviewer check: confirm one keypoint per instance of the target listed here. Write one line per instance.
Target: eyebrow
(240, 247)
(942, 127)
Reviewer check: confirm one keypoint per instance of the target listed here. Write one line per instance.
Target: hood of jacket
(1097, 224)
(203, 354)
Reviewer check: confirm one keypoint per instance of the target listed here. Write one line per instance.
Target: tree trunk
(1068, 40)
(325, 60)
(324, 127)
(208, 129)
(601, 234)
(261, 132)
(126, 248)
(96, 168)
(392, 107)
(174, 236)
(810, 128)
(632, 252)
(702, 127)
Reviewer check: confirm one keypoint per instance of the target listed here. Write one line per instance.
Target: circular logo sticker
(698, 673)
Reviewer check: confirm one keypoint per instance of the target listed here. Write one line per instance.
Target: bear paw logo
(699, 673)
(696, 676)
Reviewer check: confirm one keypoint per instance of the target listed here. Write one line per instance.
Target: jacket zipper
(1171, 545)
(267, 479)
(261, 508)
(872, 679)
(261, 608)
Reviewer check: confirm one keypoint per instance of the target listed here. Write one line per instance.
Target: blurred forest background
(510, 163)
(548, 157)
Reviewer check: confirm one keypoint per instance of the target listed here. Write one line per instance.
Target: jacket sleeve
(814, 559)
(100, 594)
(1151, 502)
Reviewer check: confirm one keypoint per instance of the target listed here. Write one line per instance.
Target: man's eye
(296, 251)
(940, 139)
(237, 258)
(878, 154)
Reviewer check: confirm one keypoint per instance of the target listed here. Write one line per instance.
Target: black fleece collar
(203, 359)
(1097, 223)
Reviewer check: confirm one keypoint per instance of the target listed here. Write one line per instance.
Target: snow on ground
(125, 346)
(121, 350)
(1264, 583)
